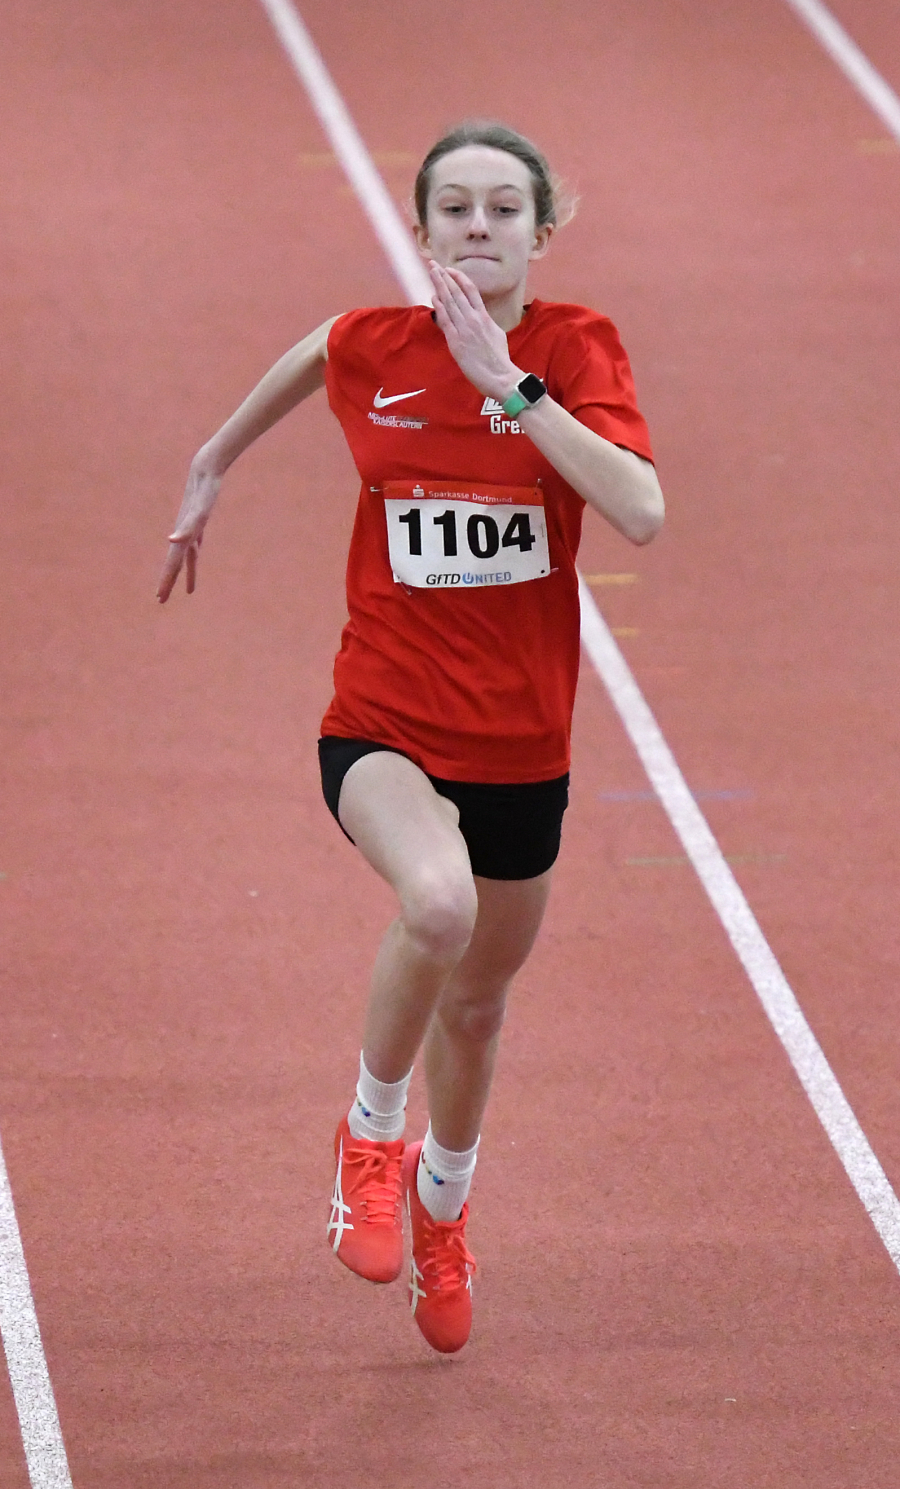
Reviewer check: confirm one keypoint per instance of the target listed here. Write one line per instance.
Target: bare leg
(461, 1044)
(409, 834)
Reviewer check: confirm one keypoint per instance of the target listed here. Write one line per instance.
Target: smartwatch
(528, 391)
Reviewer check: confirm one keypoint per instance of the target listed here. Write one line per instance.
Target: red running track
(696, 1297)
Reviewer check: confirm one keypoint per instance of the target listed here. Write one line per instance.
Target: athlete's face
(481, 219)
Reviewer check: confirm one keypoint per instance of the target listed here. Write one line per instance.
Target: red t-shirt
(470, 669)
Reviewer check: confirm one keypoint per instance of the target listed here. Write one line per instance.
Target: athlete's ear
(542, 236)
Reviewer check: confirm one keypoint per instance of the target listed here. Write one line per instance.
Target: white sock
(379, 1112)
(444, 1178)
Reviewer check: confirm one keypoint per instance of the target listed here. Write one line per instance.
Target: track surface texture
(678, 1287)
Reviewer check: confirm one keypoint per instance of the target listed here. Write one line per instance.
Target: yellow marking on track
(395, 157)
(316, 159)
(878, 147)
(658, 861)
(625, 631)
(676, 860)
(598, 579)
(320, 159)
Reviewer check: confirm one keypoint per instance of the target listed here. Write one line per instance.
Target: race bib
(457, 537)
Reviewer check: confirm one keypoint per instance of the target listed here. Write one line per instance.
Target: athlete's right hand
(184, 542)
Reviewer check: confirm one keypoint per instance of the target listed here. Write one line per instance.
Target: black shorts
(511, 832)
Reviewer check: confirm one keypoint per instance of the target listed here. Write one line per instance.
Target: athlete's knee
(439, 915)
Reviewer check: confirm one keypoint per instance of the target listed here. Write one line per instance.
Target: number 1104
(482, 533)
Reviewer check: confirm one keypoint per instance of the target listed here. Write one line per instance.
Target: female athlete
(480, 429)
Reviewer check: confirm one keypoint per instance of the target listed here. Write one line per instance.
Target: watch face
(531, 388)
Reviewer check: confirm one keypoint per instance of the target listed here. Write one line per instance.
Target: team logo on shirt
(391, 421)
(490, 408)
(396, 421)
(499, 425)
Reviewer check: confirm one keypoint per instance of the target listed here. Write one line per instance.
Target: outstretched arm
(620, 485)
(297, 374)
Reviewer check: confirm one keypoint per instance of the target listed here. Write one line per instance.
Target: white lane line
(851, 60)
(741, 927)
(784, 1012)
(389, 227)
(45, 1453)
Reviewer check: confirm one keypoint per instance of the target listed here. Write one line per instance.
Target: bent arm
(620, 485)
(295, 375)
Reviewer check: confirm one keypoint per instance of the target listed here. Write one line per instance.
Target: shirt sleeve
(339, 367)
(341, 333)
(591, 377)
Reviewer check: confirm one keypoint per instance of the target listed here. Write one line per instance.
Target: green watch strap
(515, 403)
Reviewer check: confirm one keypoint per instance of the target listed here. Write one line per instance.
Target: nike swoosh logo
(380, 402)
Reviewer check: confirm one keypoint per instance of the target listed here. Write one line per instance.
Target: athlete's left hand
(475, 341)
